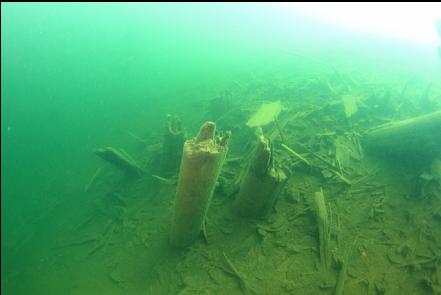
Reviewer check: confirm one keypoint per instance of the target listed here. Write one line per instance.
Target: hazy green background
(78, 76)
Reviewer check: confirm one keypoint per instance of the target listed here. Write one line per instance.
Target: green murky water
(79, 77)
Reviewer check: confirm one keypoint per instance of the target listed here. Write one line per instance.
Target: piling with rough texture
(261, 183)
(202, 160)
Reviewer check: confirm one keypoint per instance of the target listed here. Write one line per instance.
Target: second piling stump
(261, 184)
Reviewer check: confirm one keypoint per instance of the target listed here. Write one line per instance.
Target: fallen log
(420, 134)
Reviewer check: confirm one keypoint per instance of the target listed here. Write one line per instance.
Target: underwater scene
(220, 148)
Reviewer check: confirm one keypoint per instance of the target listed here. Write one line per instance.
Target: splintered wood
(323, 228)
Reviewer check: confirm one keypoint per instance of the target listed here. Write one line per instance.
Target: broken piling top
(173, 125)
(207, 131)
(207, 141)
(266, 113)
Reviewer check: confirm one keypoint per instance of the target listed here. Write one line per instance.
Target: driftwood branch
(120, 159)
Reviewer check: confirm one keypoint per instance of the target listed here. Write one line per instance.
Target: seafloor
(384, 206)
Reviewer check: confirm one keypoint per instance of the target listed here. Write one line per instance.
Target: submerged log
(172, 146)
(201, 164)
(120, 159)
(421, 134)
(261, 183)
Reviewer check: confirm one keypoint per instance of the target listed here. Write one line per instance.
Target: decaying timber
(261, 183)
(419, 134)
